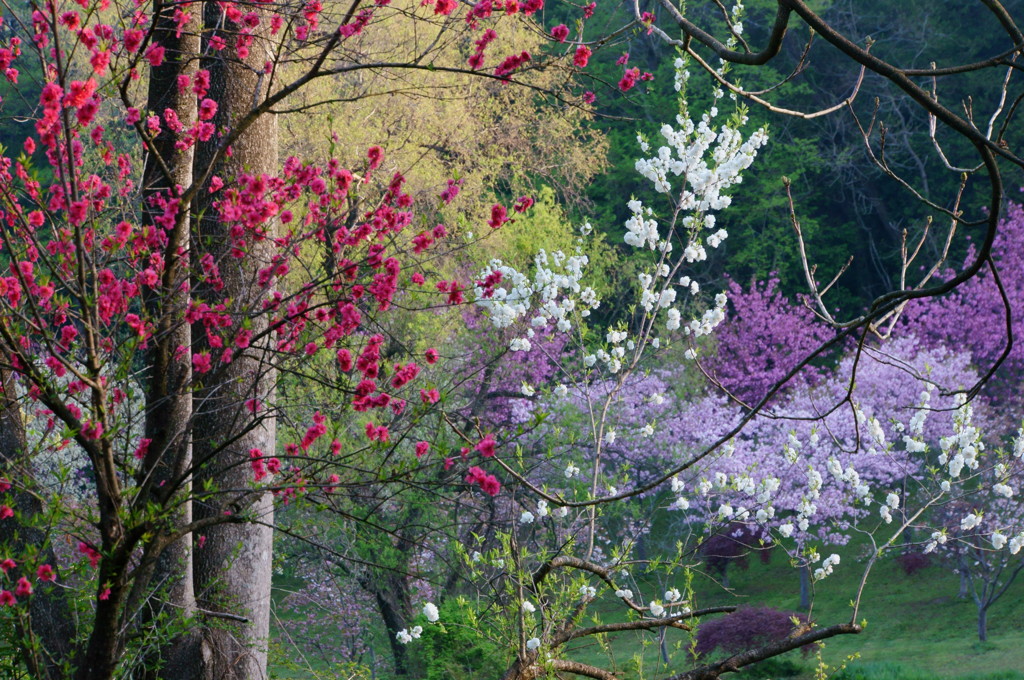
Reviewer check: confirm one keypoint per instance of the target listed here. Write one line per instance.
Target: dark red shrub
(913, 562)
(746, 628)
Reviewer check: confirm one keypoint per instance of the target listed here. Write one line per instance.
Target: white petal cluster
(553, 294)
(826, 567)
(970, 521)
(406, 636)
(961, 449)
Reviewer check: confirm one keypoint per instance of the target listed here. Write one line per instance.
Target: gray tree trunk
(233, 569)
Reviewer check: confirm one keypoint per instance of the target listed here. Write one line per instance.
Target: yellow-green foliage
(500, 139)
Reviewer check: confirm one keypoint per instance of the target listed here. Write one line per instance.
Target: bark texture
(232, 570)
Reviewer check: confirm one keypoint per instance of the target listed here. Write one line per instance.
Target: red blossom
(629, 79)
(207, 109)
(376, 156)
(90, 552)
(155, 55)
(259, 469)
(511, 63)
(46, 573)
(560, 32)
(92, 430)
(582, 56)
(201, 363)
(523, 204)
(486, 446)
(79, 92)
(24, 587)
(143, 448)
(499, 216)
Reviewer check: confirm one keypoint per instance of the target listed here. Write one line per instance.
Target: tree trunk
(52, 627)
(168, 396)
(394, 617)
(805, 587)
(233, 567)
(983, 624)
(963, 584)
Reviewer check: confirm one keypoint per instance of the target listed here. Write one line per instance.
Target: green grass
(917, 627)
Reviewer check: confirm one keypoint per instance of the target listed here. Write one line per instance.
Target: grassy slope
(917, 627)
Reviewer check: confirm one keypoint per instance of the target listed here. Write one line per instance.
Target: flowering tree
(765, 337)
(974, 529)
(986, 299)
(147, 322)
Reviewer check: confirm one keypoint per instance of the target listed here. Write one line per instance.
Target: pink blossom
(582, 56)
(155, 55)
(201, 362)
(629, 79)
(24, 587)
(560, 32)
